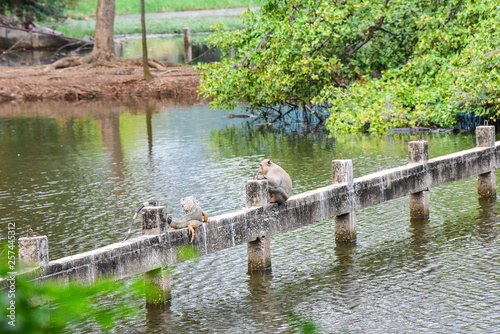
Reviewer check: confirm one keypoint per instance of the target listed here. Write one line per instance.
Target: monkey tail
(148, 203)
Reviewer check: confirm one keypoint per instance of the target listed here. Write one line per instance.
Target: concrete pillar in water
(158, 288)
(418, 153)
(345, 225)
(486, 183)
(34, 251)
(154, 221)
(259, 250)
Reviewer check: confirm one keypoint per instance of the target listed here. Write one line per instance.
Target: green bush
(376, 64)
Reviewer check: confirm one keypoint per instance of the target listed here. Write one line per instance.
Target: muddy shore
(40, 83)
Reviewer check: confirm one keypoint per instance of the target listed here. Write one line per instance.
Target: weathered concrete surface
(154, 221)
(258, 250)
(397, 182)
(485, 136)
(345, 224)
(34, 251)
(486, 182)
(257, 193)
(259, 254)
(418, 153)
(145, 253)
(419, 204)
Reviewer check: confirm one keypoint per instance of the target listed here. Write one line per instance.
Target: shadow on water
(169, 49)
(487, 228)
(36, 57)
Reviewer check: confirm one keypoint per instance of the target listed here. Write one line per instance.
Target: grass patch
(125, 26)
(87, 8)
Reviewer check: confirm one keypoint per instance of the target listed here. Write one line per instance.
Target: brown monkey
(279, 182)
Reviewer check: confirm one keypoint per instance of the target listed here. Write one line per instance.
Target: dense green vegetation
(26, 10)
(127, 25)
(51, 307)
(82, 8)
(81, 17)
(374, 64)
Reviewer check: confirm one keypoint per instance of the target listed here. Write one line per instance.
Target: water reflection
(163, 48)
(76, 172)
(262, 301)
(171, 49)
(36, 57)
(488, 228)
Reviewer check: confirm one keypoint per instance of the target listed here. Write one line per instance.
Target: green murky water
(76, 173)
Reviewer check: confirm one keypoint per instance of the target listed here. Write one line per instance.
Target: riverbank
(42, 83)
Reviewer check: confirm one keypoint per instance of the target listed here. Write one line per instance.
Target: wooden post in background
(188, 54)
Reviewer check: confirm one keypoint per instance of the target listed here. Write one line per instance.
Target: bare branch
(349, 50)
(321, 120)
(261, 44)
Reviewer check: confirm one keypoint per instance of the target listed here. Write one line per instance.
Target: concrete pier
(157, 281)
(418, 153)
(259, 220)
(258, 250)
(34, 251)
(345, 224)
(154, 220)
(259, 254)
(486, 182)
(158, 289)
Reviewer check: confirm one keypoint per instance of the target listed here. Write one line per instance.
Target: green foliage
(377, 64)
(53, 307)
(187, 252)
(80, 8)
(37, 9)
(303, 326)
(453, 68)
(276, 58)
(127, 25)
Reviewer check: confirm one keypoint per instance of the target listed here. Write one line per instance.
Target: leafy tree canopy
(375, 64)
(27, 10)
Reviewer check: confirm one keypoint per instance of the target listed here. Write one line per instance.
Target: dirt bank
(38, 83)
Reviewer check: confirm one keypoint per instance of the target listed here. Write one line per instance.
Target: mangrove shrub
(374, 64)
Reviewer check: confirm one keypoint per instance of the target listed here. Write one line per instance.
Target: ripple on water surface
(402, 276)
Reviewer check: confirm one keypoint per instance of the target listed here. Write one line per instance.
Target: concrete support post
(188, 53)
(259, 250)
(259, 253)
(345, 225)
(154, 220)
(257, 193)
(157, 281)
(158, 288)
(34, 251)
(486, 183)
(418, 153)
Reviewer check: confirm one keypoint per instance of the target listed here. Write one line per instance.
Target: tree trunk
(104, 29)
(145, 64)
(104, 46)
